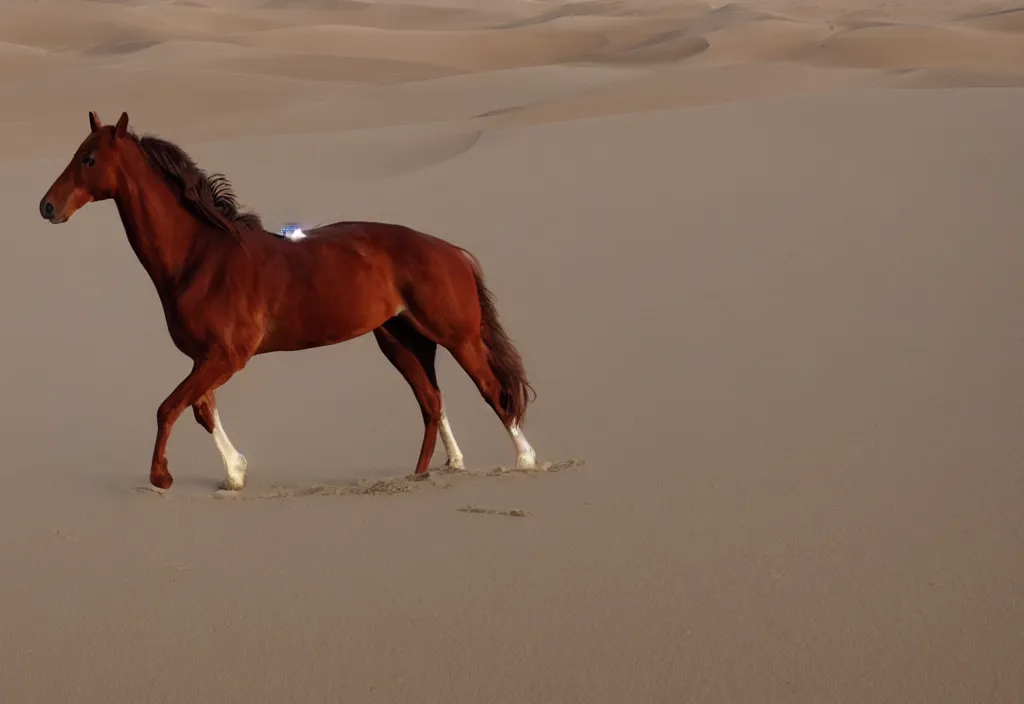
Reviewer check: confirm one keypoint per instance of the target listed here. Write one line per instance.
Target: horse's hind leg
(413, 356)
(407, 335)
(455, 459)
(205, 411)
(473, 358)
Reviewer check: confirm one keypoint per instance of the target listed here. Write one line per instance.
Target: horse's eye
(88, 160)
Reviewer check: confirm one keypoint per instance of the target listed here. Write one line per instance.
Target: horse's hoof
(235, 479)
(527, 460)
(161, 481)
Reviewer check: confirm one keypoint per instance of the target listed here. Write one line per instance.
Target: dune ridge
(236, 54)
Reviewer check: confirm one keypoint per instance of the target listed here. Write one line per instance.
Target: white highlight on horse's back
(293, 233)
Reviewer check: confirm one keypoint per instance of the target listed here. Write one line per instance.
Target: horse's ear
(94, 122)
(122, 125)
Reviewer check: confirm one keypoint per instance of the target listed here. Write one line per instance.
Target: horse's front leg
(207, 374)
(205, 411)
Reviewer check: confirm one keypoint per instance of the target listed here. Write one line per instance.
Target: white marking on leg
(526, 458)
(234, 461)
(455, 459)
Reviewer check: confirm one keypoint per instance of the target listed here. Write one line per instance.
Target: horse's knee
(163, 414)
(431, 407)
(204, 416)
(171, 409)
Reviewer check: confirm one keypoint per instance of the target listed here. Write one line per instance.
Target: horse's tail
(516, 391)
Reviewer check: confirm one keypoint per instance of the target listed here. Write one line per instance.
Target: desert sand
(763, 263)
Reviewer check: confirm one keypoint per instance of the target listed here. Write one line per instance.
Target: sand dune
(392, 63)
(557, 41)
(1006, 21)
(908, 47)
(78, 26)
(762, 260)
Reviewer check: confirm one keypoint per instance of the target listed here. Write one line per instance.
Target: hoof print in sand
(226, 494)
(514, 513)
(439, 478)
(539, 469)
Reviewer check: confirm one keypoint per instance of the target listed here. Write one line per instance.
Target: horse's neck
(161, 232)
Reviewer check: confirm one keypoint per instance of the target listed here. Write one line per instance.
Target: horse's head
(91, 175)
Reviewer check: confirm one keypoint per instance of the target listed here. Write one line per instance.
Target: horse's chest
(185, 335)
(227, 324)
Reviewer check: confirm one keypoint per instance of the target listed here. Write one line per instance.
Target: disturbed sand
(763, 263)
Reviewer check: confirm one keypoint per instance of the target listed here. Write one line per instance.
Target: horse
(231, 290)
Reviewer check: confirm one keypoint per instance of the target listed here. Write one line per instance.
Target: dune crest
(269, 63)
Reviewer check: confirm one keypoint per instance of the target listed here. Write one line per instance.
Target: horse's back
(399, 240)
(411, 253)
(434, 278)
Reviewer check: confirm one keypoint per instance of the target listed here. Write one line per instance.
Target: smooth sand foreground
(765, 276)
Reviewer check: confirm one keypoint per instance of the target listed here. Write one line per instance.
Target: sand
(763, 263)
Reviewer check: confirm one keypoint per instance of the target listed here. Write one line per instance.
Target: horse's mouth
(57, 219)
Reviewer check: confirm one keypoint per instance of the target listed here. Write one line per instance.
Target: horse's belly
(315, 321)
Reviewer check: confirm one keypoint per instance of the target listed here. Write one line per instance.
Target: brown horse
(231, 290)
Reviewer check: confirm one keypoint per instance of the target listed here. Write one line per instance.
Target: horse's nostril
(46, 209)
